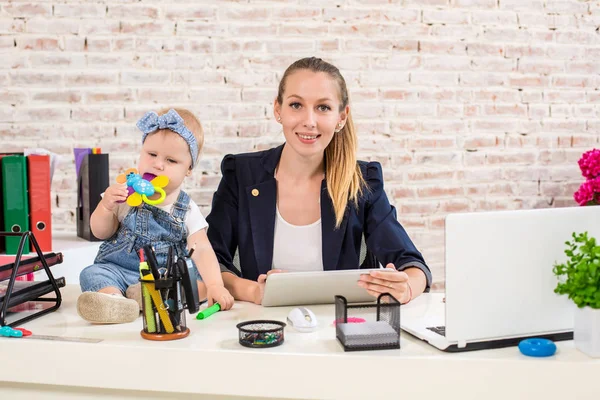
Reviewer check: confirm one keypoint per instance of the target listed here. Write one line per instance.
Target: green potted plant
(579, 278)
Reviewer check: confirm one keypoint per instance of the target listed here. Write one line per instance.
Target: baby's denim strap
(181, 206)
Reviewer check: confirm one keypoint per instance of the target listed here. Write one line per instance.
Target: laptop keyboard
(440, 330)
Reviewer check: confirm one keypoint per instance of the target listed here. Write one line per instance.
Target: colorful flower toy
(140, 188)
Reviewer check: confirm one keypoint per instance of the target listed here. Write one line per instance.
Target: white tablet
(315, 287)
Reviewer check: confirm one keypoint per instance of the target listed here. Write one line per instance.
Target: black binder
(91, 182)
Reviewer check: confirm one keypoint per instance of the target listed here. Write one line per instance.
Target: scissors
(7, 331)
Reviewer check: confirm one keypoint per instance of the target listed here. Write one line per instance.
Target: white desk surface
(210, 362)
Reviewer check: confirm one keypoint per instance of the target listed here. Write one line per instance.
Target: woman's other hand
(259, 291)
(387, 281)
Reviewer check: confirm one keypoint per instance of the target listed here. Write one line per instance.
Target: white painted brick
(445, 16)
(565, 52)
(458, 32)
(535, 20)
(566, 6)
(200, 27)
(94, 26)
(434, 78)
(493, 64)
(576, 38)
(80, 10)
(445, 63)
(15, 60)
(35, 79)
(484, 79)
(370, 14)
(94, 114)
(441, 47)
(132, 11)
(518, 51)
(27, 9)
(475, 4)
(189, 11)
(144, 78)
(384, 78)
(57, 96)
(115, 96)
(494, 18)
(583, 67)
(531, 96)
(147, 27)
(564, 96)
(531, 80)
(118, 61)
(583, 81)
(11, 25)
(506, 34)
(92, 79)
(530, 5)
(290, 46)
(38, 43)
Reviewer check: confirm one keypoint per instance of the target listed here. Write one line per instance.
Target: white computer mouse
(302, 319)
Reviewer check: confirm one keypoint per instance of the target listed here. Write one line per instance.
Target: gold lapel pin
(255, 192)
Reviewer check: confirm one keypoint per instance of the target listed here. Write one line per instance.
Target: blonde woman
(307, 204)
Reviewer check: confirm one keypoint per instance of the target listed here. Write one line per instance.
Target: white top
(194, 220)
(297, 248)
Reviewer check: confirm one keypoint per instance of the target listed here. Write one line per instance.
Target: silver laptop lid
(499, 279)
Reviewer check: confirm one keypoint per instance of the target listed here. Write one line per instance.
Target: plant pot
(587, 331)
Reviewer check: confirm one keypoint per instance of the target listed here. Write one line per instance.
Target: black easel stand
(34, 293)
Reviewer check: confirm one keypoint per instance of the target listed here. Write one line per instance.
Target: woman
(306, 205)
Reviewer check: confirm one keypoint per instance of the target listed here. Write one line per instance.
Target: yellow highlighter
(156, 298)
(148, 312)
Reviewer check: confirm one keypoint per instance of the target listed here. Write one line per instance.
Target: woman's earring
(279, 119)
(340, 126)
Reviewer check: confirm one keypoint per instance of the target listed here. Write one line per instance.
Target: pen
(148, 312)
(169, 261)
(178, 305)
(151, 260)
(187, 286)
(192, 250)
(209, 311)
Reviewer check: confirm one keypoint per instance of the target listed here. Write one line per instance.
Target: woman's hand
(388, 281)
(259, 291)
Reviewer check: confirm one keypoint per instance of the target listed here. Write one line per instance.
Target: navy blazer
(243, 221)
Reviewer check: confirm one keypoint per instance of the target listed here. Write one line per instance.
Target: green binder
(15, 200)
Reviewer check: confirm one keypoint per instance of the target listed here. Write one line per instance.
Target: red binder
(40, 213)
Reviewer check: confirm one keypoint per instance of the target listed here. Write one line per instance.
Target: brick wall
(468, 104)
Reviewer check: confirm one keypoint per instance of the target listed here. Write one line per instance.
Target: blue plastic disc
(536, 347)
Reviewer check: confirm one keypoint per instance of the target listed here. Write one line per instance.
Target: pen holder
(162, 310)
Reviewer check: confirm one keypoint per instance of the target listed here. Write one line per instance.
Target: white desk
(210, 362)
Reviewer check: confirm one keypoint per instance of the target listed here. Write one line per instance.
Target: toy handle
(162, 197)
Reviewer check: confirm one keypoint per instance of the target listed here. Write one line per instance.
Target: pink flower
(589, 191)
(589, 163)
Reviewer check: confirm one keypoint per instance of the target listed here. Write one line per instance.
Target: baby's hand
(218, 294)
(113, 194)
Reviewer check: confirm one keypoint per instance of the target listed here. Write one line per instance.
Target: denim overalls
(118, 264)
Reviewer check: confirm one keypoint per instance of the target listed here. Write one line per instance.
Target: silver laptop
(499, 279)
(315, 287)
